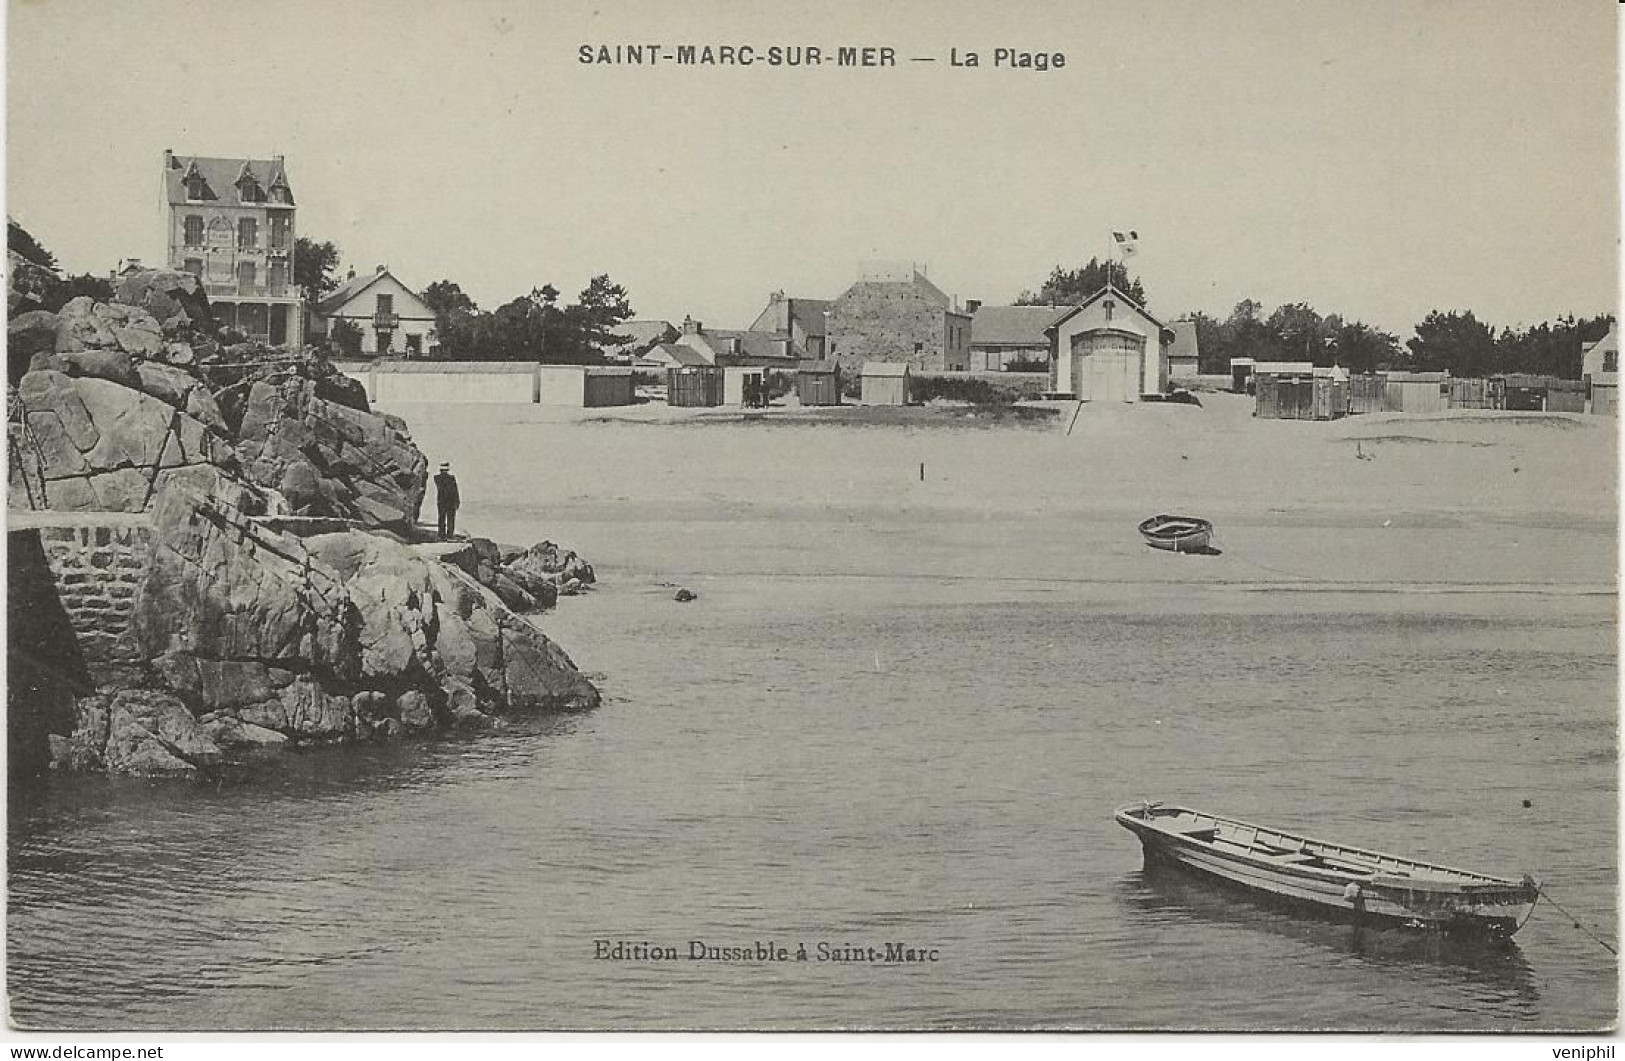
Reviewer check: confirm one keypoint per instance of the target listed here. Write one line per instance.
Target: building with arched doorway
(1108, 349)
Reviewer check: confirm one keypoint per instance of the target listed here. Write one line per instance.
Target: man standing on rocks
(445, 491)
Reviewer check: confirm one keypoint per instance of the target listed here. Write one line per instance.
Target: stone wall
(875, 321)
(98, 565)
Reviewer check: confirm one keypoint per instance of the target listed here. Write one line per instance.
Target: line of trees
(533, 327)
(1454, 341)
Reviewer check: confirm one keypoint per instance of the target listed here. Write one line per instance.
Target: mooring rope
(1576, 921)
(1265, 567)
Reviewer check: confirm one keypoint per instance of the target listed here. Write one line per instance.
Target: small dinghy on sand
(1178, 534)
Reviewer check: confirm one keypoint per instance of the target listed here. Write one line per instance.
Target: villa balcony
(292, 292)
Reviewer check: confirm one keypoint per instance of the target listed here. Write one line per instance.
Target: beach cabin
(1418, 392)
(584, 386)
(1368, 393)
(1284, 390)
(1565, 395)
(818, 383)
(734, 385)
(694, 386)
(447, 382)
(1477, 393)
(1525, 394)
(1108, 350)
(886, 383)
(1241, 375)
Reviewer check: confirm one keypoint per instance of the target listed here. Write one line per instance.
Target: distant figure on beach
(447, 498)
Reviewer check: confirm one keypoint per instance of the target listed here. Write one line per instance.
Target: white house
(1108, 349)
(393, 320)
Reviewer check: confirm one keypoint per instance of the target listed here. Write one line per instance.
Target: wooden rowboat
(1179, 534)
(1350, 883)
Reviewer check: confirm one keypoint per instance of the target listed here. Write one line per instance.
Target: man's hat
(445, 466)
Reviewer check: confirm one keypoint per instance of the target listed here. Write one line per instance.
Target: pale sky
(1375, 159)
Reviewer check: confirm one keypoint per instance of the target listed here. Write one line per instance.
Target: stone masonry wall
(98, 567)
(886, 321)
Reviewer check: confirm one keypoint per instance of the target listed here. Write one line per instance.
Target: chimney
(276, 158)
(972, 305)
(169, 159)
(381, 269)
(691, 326)
(777, 296)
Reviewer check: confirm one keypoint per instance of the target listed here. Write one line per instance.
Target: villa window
(245, 277)
(248, 233)
(278, 278)
(194, 187)
(194, 230)
(386, 305)
(279, 232)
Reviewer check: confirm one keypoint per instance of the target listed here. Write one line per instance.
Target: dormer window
(279, 194)
(194, 186)
(248, 189)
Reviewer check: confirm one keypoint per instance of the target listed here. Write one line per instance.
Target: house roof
(809, 313)
(1607, 342)
(1013, 325)
(220, 176)
(641, 333)
(818, 366)
(456, 368)
(1184, 344)
(355, 286)
(1283, 368)
(894, 369)
(1417, 377)
(751, 344)
(919, 282)
(1109, 289)
(677, 353)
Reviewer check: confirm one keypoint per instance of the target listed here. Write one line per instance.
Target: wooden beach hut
(1477, 393)
(1368, 393)
(1605, 394)
(1524, 393)
(818, 383)
(584, 386)
(886, 383)
(1284, 390)
(1418, 392)
(1241, 374)
(1565, 395)
(694, 386)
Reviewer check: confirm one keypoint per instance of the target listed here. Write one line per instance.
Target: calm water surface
(861, 760)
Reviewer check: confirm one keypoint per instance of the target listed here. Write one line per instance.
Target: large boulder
(27, 334)
(30, 286)
(97, 444)
(545, 571)
(365, 465)
(135, 731)
(85, 324)
(176, 300)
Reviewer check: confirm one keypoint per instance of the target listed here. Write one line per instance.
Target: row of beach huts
(595, 386)
(1299, 390)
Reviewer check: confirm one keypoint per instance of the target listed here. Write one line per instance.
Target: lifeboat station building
(1108, 349)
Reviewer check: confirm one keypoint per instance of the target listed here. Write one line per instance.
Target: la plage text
(804, 55)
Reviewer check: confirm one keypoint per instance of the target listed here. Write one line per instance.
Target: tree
(21, 243)
(97, 287)
(601, 306)
(1070, 287)
(313, 267)
(1455, 342)
(1359, 347)
(345, 335)
(445, 297)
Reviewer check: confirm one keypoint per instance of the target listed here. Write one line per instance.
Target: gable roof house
(1184, 356)
(641, 336)
(1001, 334)
(893, 313)
(670, 355)
(1108, 349)
(727, 346)
(392, 317)
(802, 319)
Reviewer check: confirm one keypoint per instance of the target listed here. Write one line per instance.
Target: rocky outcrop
(545, 566)
(176, 300)
(330, 459)
(30, 286)
(336, 637)
(255, 638)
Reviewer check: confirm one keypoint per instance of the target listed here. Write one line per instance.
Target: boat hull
(1177, 534)
(1494, 909)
